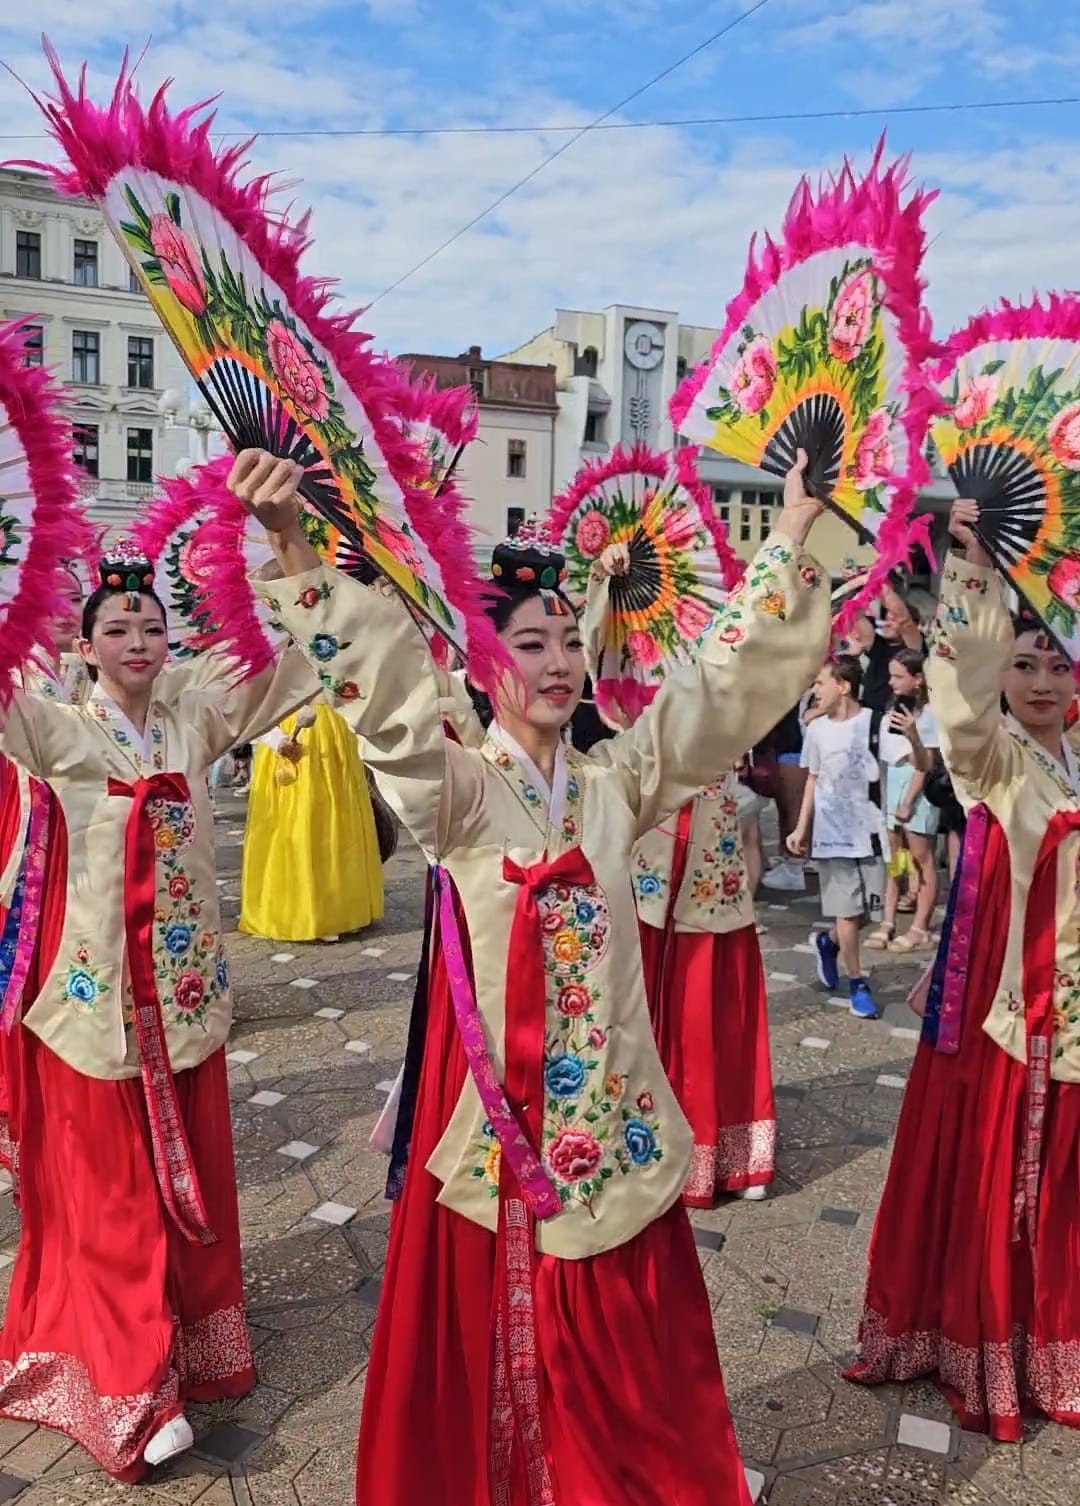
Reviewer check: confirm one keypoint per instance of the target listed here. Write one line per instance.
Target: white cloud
(660, 218)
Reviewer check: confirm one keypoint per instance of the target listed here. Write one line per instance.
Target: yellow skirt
(311, 856)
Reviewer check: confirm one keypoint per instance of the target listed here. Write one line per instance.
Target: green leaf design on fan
(11, 538)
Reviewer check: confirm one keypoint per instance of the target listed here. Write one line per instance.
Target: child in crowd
(908, 738)
(840, 771)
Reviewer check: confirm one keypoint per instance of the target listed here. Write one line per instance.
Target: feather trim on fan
(1010, 380)
(103, 142)
(52, 521)
(229, 613)
(868, 212)
(446, 414)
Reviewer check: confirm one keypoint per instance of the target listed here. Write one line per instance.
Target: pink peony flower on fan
(297, 371)
(399, 544)
(975, 401)
(1064, 437)
(643, 649)
(680, 527)
(179, 263)
(592, 534)
(691, 618)
(874, 456)
(755, 376)
(852, 316)
(195, 561)
(1064, 582)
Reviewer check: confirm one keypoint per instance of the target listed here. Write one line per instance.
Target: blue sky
(656, 217)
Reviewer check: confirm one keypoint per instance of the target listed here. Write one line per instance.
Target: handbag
(938, 787)
(387, 825)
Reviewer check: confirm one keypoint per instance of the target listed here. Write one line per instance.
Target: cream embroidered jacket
(615, 1142)
(991, 760)
(715, 894)
(83, 1008)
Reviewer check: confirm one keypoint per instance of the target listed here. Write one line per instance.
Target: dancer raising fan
(127, 1293)
(540, 1255)
(973, 1271)
(703, 972)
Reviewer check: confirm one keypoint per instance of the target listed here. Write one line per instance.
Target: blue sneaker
(827, 953)
(862, 1001)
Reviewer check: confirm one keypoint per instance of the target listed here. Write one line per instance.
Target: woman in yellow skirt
(311, 865)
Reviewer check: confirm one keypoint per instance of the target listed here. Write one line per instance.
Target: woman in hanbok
(704, 977)
(127, 1294)
(311, 867)
(60, 676)
(706, 985)
(545, 1334)
(974, 1276)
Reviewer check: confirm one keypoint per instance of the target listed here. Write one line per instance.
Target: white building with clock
(616, 372)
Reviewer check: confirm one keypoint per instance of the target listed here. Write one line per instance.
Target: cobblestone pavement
(318, 1039)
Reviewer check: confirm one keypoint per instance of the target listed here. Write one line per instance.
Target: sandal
(881, 939)
(906, 904)
(913, 940)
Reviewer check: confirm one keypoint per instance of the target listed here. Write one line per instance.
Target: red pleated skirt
(710, 1017)
(950, 1293)
(632, 1397)
(114, 1319)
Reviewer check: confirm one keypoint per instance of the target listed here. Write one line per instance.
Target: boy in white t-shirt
(841, 770)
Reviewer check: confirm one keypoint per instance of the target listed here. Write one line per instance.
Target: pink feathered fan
(822, 350)
(1010, 380)
(681, 568)
(42, 522)
(278, 369)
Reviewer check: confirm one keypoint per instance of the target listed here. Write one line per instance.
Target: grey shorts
(850, 887)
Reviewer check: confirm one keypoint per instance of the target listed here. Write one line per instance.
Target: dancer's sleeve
(230, 711)
(971, 641)
(370, 656)
(762, 651)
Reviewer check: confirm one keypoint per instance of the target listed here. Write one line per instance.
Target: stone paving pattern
(318, 1039)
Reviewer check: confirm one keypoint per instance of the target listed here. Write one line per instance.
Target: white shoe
(174, 1438)
(753, 1194)
(787, 877)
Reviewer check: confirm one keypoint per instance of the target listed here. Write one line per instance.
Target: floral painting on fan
(681, 569)
(1010, 436)
(822, 350)
(829, 369)
(279, 367)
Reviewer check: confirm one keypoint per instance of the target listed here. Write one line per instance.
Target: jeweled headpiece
(529, 561)
(125, 568)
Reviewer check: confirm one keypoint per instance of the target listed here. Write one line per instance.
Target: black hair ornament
(126, 568)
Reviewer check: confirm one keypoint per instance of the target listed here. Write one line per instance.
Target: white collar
(553, 795)
(139, 740)
(1067, 764)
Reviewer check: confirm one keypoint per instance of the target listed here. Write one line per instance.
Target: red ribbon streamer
(176, 1176)
(515, 1385)
(1040, 945)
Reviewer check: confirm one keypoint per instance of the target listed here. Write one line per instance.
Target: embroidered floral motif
(188, 958)
(775, 604)
(345, 690)
(576, 926)
(324, 647)
(83, 986)
(648, 883)
(309, 597)
(591, 1132)
(810, 576)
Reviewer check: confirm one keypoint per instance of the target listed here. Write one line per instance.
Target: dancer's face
(128, 649)
(1039, 684)
(65, 627)
(549, 657)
